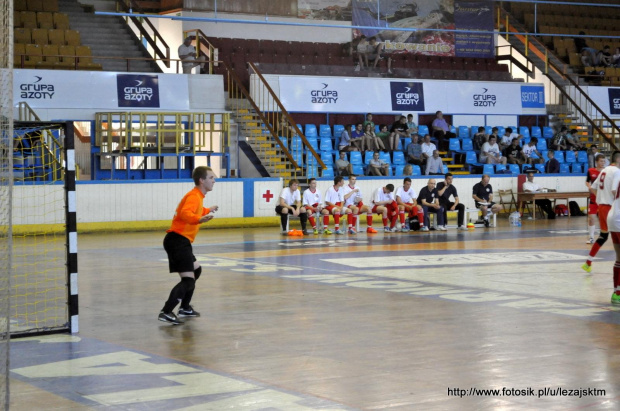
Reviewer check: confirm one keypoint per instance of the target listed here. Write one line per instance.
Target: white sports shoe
(442, 228)
(590, 241)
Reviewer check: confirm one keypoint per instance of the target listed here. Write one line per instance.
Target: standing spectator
(427, 148)
(513, 153)
(490, 154)
(414, 152)
(399, 129)
(429, 199)
(378, 167)
(358, 136)
(593, 152)
(412, 127)
(441, 130)
(483, 197)
(479, 138)
(531, 187)
(445, 190)
(529, 150)
(434, 165)
(553, 165)
(187, 54)
(343, 167)
(346, 143)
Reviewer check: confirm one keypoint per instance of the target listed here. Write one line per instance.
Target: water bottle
(515, 219)
(557, 185)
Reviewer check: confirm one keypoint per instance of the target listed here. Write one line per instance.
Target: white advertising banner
(101, 90)
(357, 95)
(606, 98)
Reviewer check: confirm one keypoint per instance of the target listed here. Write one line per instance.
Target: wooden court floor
(423, 321)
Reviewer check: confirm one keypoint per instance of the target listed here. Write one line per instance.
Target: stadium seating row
(40, 20)
(47, 36)
(51, 56)
(35, 5)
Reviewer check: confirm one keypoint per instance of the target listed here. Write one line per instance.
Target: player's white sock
(591, 229)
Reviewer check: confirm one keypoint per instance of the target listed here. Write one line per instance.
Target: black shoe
(188, 312)
(169, 318)
(486, 223)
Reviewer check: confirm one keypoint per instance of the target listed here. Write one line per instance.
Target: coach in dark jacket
(553, 165)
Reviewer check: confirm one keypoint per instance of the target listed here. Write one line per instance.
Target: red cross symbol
(268, 196)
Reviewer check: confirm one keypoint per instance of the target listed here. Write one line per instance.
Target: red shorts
(603, 211)
(330, 208)
(311, 209)
(593, 208)
(615, 237)
(374, 209)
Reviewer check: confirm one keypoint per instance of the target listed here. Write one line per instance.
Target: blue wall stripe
(248, 198)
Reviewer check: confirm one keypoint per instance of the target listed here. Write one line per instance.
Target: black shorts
(279, 209)
(180, 254)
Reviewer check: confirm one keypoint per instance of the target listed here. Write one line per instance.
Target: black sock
(190, 292)
(178, 293)
(283, 221)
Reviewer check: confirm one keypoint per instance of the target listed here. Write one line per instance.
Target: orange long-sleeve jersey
(186, 220)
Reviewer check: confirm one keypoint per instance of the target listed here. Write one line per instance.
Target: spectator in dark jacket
(553, 165)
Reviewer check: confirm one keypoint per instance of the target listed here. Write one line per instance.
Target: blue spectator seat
(325, 131)
(467, 145)
(542, 144)
(488, 129)
(416, 171)
(398, 158)
(327, 158)
(514, 168)
(338, 130)
(524, 131)
(310, 131)
(367, 157)
(570, 156)
(500, 167)
(501, 130)
(406, 142)
(455, 144)
(312, 172)
(311, 160)
(328, 172)
(471, 158)
(398, 171)
(539, 167)
(377, 129)
(296, 143)
(422, 130)
(582, 157)
(284, 142)
(559, 155)
(453, 130)
(385, 156)
(564, 168)
(463, 132)
(545, 155)
(536, 132)
(358, 170)
(547, 132)
(355, 158)
(399, 146)
(488, 169)
(326, 144)
(298, 157)
(525, 141)
(577, 168)
(445, 169)
(473, 130)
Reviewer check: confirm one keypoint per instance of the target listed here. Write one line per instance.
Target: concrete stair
(107, 36)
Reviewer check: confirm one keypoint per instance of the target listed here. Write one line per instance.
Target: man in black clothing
(429, 200)
(514, 153)
(553, 165)
(398, 130)
(483, 196)
(445, 190)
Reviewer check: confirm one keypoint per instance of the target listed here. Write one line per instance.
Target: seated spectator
(427, 148)
(479, 138)
(506, 139)
(398, 131)
(343, 167)
(429, 200)
(362, 52)
(445, 190)
(412, 127)
(407, 203)
(553, 165)
(615, 58)
(559, 141)
(408, 170)
(586, 59)
(313, 203)
(353, 200)
(375, 54)
(414, 152)
(490, 154)
(531, 154)
(592, 155)
(334, 204)
(573, 142)
(384, 135)
(369, 121)
(384, 203)
(531, 187)
(441, 130)
(378, 167)
(580, 46)
(483, 197)
(357, 137)
(346, 143)
(604, 58)
(371, 140)
(513, 153)
(434, 165)
(289, 202)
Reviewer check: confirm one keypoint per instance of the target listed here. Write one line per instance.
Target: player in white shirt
(334, 203)
(613, 224)
(313, 203)
(406, 200)
(289, 202)
(383, 203)
(605, 187)
(353, 200)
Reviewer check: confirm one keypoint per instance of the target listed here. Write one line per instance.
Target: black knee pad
(602, 237)
(189, 282)
(197, 273)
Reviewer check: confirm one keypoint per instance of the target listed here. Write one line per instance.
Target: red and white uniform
(591, 176)
(335, 197)
(378, 196)
(311, 200)
(406, 197)
(606, 182)
(354, 199)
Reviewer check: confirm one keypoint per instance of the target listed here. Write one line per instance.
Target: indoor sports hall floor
(373, 322)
